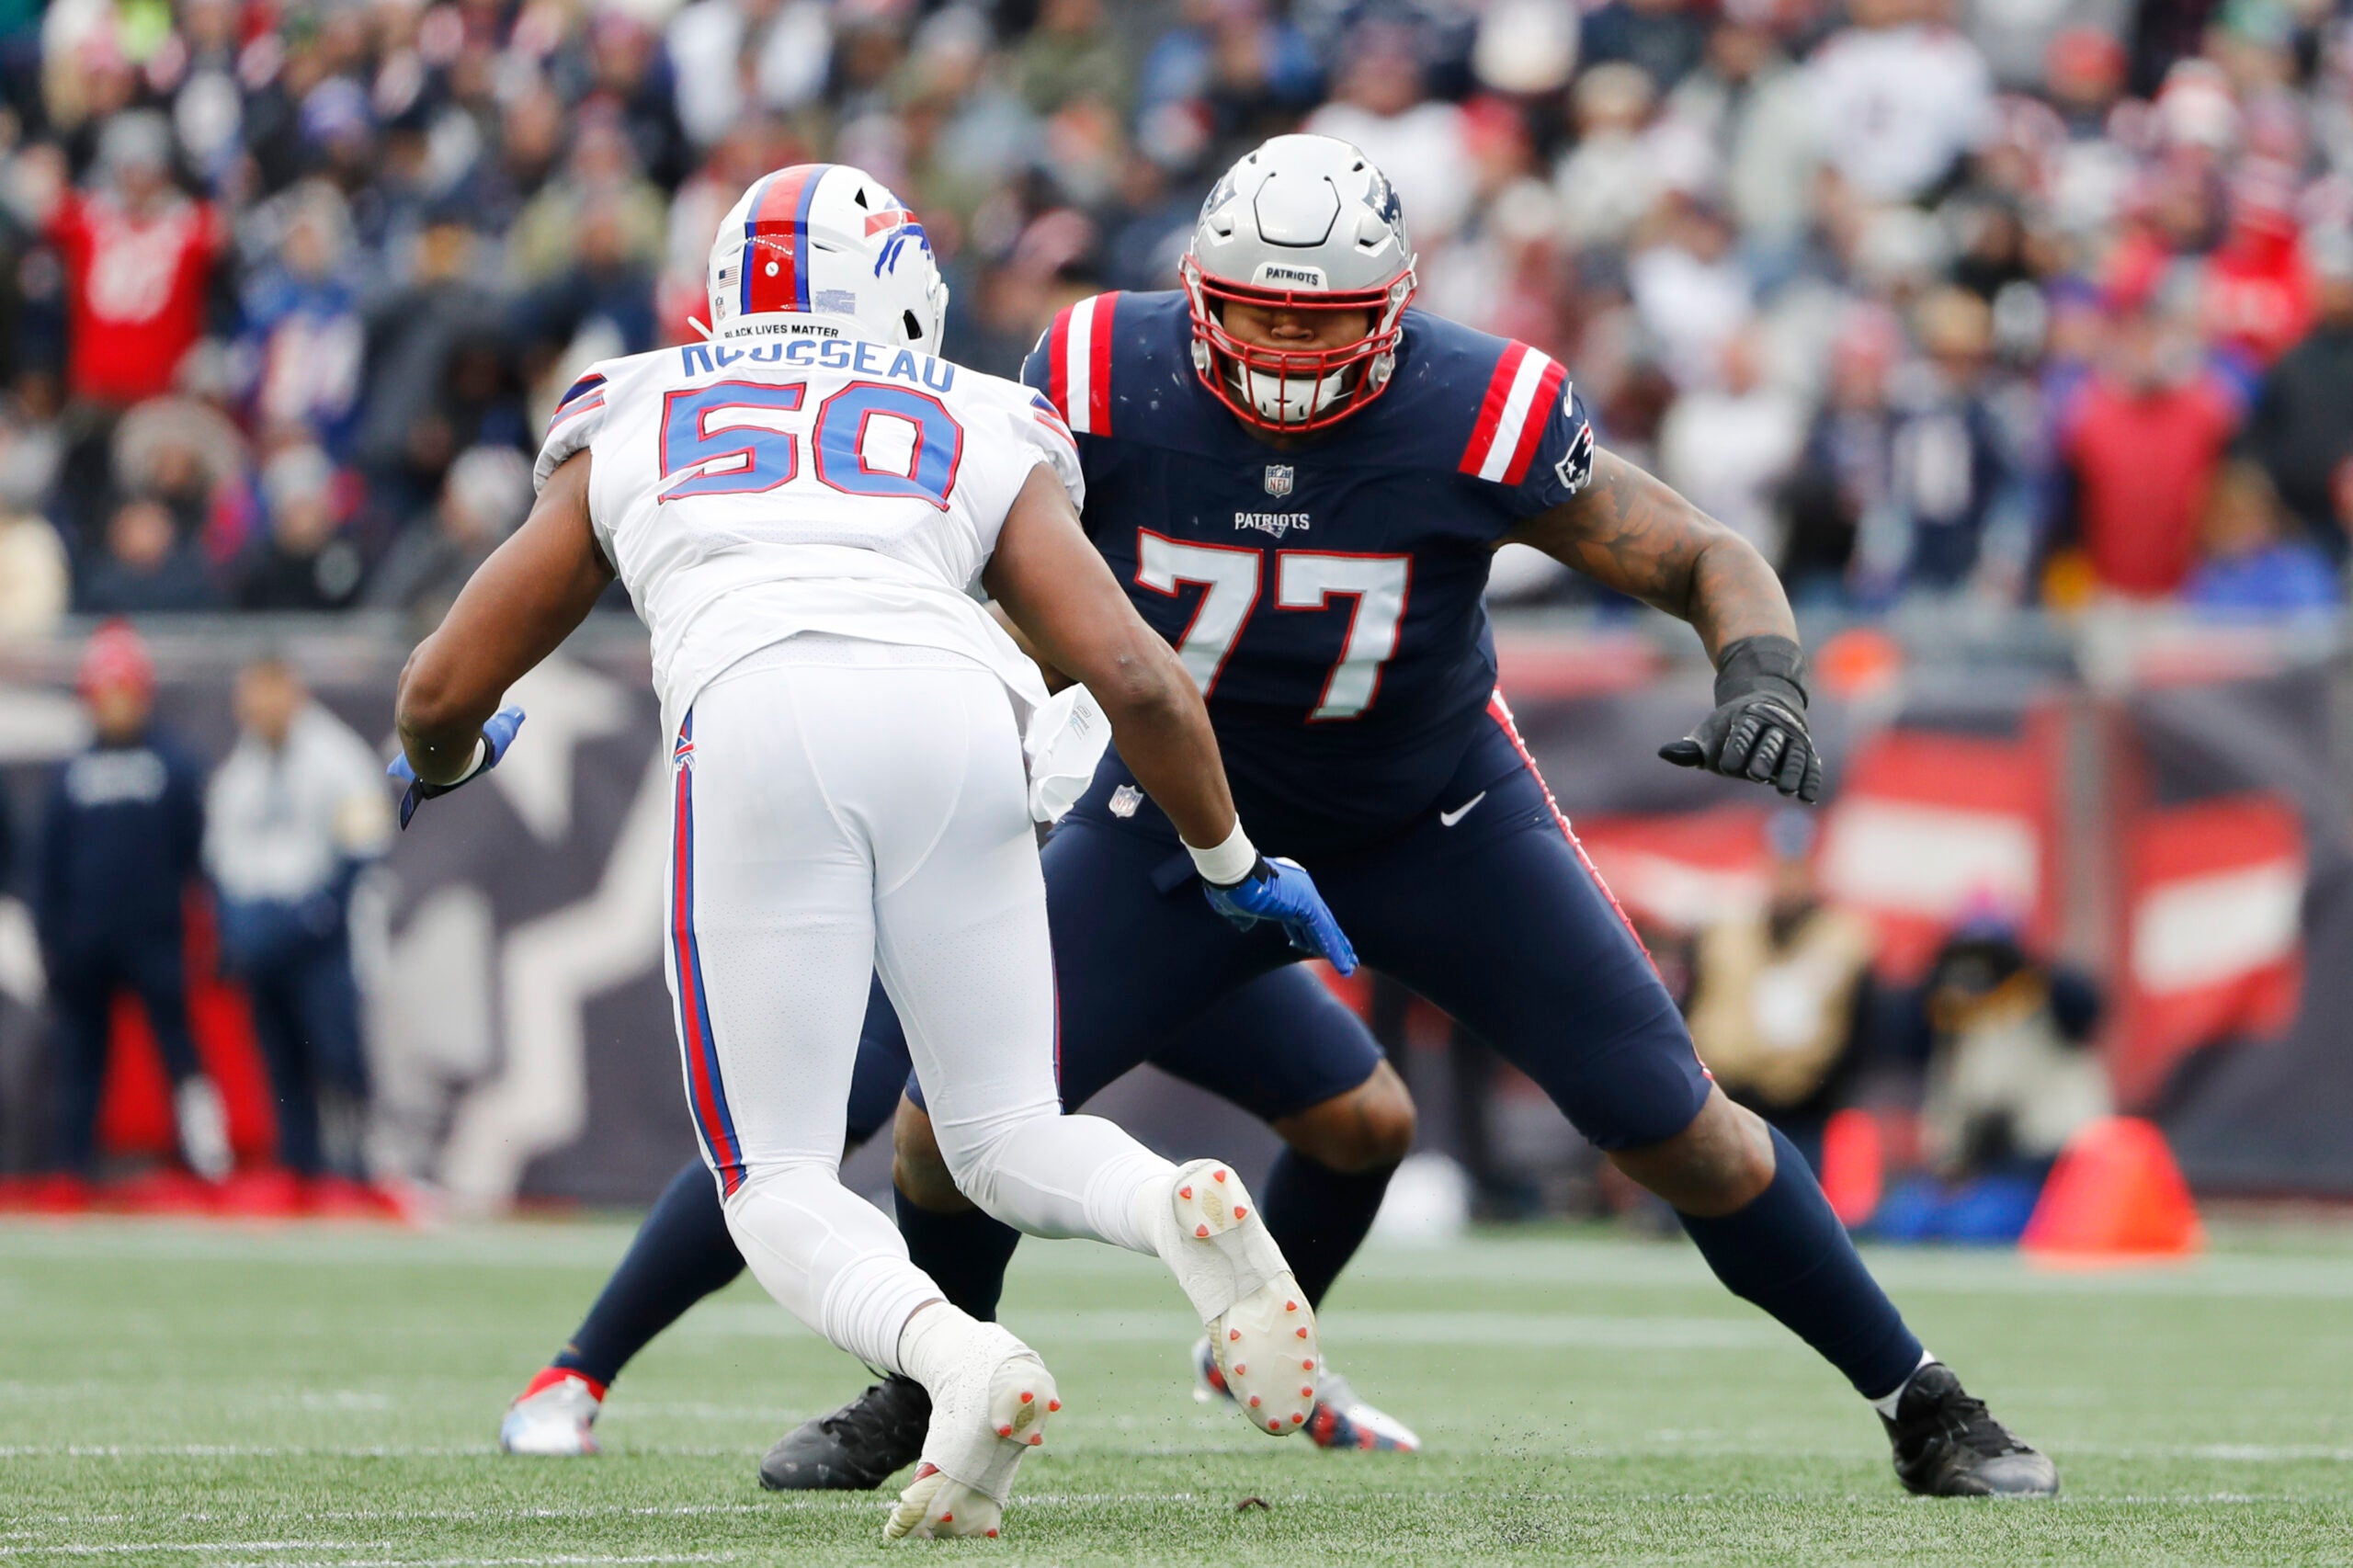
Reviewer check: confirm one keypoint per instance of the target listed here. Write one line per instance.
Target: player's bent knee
(1369, 1127)
(917, 1168)
(1714, 1167)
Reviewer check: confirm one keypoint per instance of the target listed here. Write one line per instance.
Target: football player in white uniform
(799, 507)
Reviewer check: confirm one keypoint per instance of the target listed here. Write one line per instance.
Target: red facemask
(1292, 390)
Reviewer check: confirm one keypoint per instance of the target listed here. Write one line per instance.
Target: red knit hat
(117, 657)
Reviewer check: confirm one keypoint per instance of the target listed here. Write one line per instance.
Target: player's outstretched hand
(1758, 731)
(1282, 891)
(497, 734)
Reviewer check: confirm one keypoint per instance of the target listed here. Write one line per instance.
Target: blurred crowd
(2038, 301)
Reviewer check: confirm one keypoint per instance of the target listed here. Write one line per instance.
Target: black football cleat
(858, 1446)
(1948, 1445)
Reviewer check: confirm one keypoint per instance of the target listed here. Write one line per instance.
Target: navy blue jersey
(1326, 592)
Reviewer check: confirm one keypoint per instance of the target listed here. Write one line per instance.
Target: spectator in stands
(1843, 480)
(487, 493)
(185, 453)
(120, 847)
(293, 815)
(1751, 107)
(304, 562)
(1729, 447)
(2250, 567)
(146, 566)
(138, 259)
(35, 584)
(1782, 999)
(1071, 52)
(1379, 103)
(1610, 181)
(438, 377)
(2301, 427)
(303, 334)
(600, 170)
(2012, 1075)
(1664, 38)
(1901, 99)
(2141, 445)
(600, 306)
(1953, 477)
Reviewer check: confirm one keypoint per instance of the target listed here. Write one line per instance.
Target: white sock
(938, 1339)
(1885, 1404)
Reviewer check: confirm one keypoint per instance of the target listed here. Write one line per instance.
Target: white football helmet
(1303, 223)
(821, 245)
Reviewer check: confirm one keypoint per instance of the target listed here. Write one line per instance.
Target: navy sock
(1319, 1216)
(1788, 1253)
(966, 1253)
(680, 1254)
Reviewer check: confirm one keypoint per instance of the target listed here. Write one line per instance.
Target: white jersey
(754, 490)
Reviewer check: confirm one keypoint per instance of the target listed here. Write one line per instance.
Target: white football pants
(842, 808)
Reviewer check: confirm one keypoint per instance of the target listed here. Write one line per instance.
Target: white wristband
(1228, 862)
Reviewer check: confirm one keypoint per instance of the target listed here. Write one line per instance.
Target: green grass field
(314, 1395)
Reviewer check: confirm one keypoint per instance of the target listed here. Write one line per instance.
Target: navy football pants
(1484, 904)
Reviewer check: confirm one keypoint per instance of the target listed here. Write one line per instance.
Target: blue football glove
(1282, 891)
(497, 733)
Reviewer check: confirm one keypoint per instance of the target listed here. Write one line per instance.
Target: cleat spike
(1307, 1366)
(1290, 1306)
(992, 1533)
(1255, 1401)
(1234, 1334)
(1302, 1332)
(1239, 1213)
(1006, 1430)
(1027, 1396)
(1219, 1175)
(1184, 1192)
(1201, 1233)
(1296, 1418)
(1036, 1439)
(947, 1518)
(1307, 1393)
(1240, 1370)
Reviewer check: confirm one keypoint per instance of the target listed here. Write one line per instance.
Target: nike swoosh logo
(1448, 818)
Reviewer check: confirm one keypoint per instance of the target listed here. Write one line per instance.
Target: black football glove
(1758, 731)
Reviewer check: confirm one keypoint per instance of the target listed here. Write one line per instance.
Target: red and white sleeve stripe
(1078, 359)
(1512, 414)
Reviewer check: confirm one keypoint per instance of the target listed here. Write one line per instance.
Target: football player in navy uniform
(1302, 483)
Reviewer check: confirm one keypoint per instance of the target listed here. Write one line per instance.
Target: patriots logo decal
(1575, 466)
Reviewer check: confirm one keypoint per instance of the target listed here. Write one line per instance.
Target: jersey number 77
(869, 438)
(1304, 580)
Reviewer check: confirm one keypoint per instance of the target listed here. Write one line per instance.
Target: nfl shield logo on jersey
(1278, 480)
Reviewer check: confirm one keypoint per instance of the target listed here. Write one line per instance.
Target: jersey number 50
(1304, 579)
(870, 439)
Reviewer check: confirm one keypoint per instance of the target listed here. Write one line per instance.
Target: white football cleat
(1262, 1332)
(202, 1119)
(984, 1419)
(552, 1417)
(1342, 1418)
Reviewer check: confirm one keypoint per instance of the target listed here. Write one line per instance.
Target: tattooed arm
(1628, 531)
